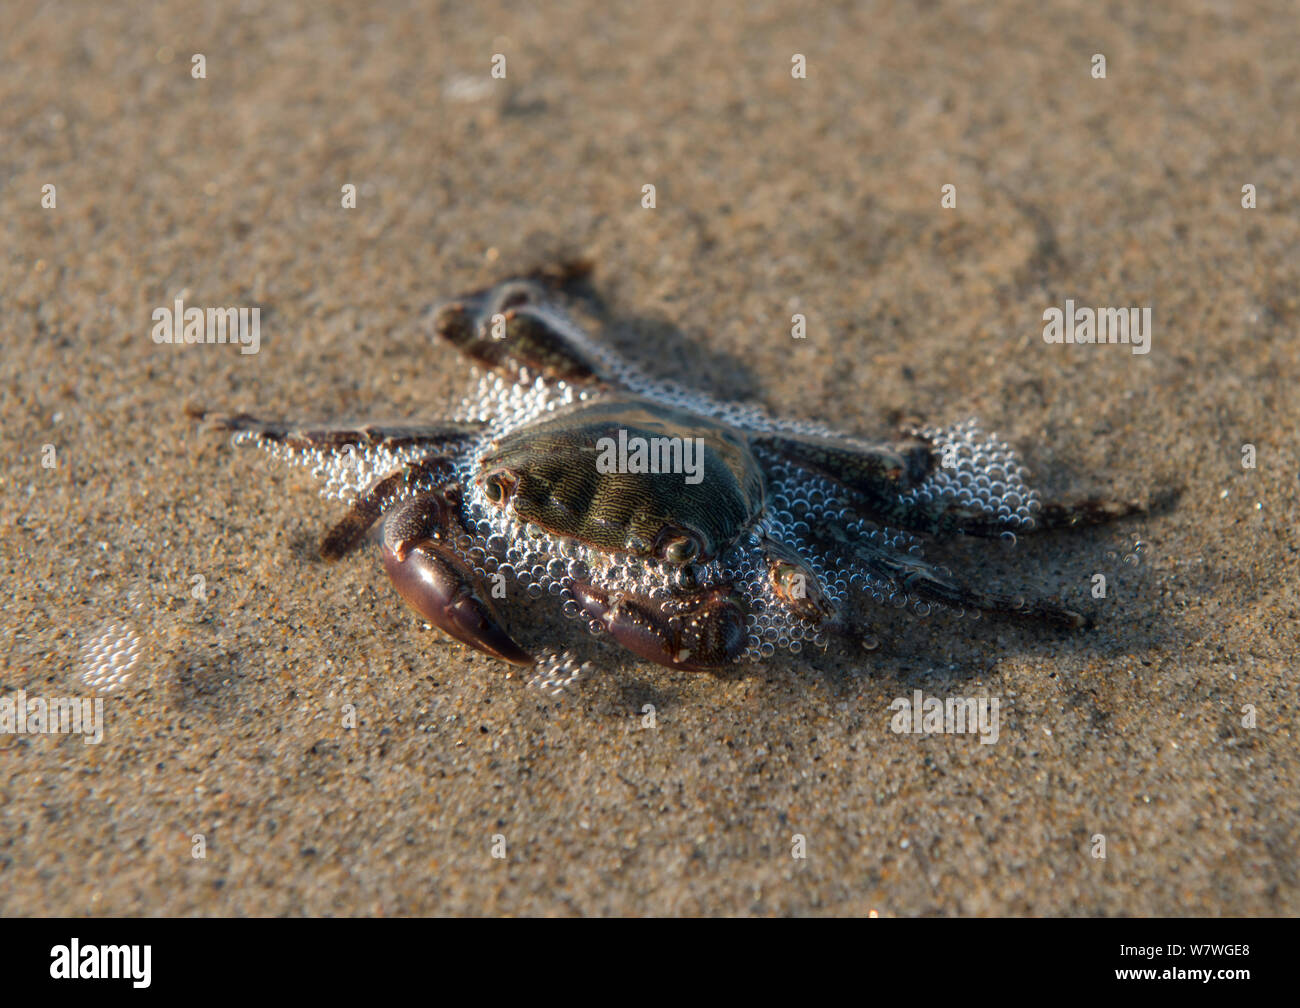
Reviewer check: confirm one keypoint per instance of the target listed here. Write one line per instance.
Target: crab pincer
(708, 633)
(437, 584)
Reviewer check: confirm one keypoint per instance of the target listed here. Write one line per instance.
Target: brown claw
(434, 583)
(711, 634)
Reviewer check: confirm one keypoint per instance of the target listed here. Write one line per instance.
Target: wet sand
(774, 196)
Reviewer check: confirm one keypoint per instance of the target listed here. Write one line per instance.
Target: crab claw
(435, 582)
(711, 632)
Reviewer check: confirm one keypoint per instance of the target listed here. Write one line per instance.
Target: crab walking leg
(436, 583)
(367, 508)
(920, 580)
(1075, 514)
(797, 585)
(511, 329)
(877, 473)
(707, 632)
(883, 476)
(945, 516)
(299, 437)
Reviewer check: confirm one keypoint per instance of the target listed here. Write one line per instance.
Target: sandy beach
(281, 736)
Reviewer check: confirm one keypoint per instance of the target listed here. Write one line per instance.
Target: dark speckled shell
(560, 488)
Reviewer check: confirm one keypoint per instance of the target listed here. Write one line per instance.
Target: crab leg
(367, 508)
(298, 437)
(879, 474)
(513, 329)
(366, 439)
(1092, 511)
(882, 476)
(921, 580)
(951, 517)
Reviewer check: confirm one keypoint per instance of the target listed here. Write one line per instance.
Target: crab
(694, 532)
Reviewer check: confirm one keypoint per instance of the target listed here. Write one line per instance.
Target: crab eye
(495, 489)
(681, 551)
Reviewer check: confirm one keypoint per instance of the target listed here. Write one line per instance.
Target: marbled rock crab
(694, 532)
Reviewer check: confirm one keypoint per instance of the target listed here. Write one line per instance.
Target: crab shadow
(661, 348)
(1128, 620)
(211, 683)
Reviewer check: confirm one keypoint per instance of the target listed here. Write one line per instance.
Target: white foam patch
(984, 472)
(109, 657)
(555, 673)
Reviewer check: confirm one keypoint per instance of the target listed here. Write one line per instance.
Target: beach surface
(281, 736)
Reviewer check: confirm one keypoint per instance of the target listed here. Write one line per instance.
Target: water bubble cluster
(344, 473)
(108, 658)
(982, 472)
(556, 672)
